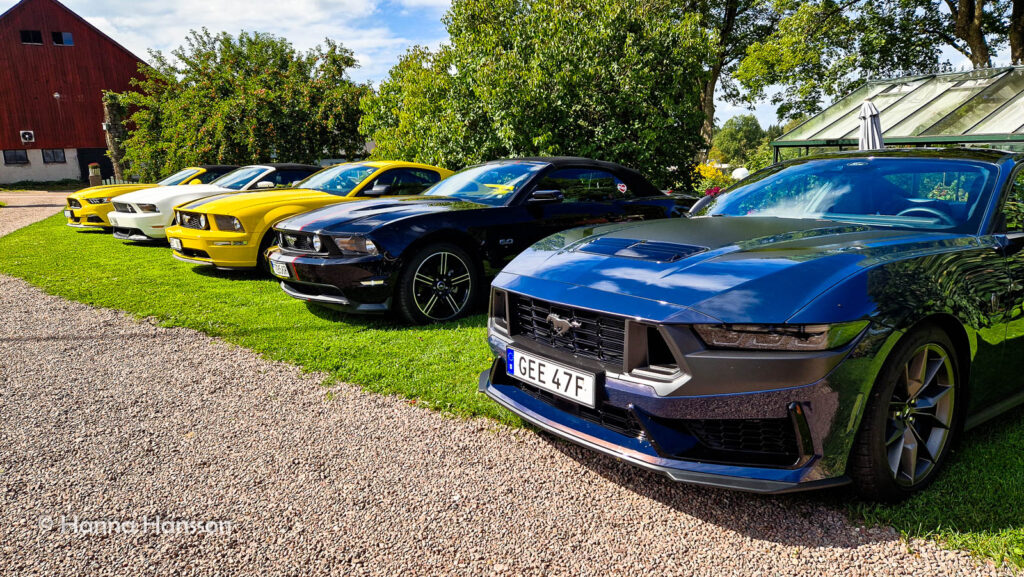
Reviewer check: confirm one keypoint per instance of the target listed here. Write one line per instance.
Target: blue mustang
(833, 318)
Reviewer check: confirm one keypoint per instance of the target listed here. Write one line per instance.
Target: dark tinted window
(286, 177)
(212, 175)
(406, 180)
(63, 39)
(53, 156)
(15, 157)
(31, 37)
(585, 184)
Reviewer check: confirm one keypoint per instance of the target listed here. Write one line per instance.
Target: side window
(287, 177)
(208, 176)
(1013, 208)
(406, 180)
(585, 185)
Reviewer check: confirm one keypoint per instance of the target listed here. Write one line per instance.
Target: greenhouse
(982, 107)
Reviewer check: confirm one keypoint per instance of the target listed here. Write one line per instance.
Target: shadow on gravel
(813, 519)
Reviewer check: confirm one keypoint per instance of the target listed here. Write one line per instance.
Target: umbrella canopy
(870, 137)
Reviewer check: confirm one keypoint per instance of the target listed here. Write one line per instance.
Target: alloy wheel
(920, 415)
(441, 285)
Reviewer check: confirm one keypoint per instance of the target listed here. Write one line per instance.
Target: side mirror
(378, 190)
(265, 184)
(195, 181)
(539, 196)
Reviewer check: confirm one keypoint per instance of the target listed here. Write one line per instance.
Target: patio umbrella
(870, 128)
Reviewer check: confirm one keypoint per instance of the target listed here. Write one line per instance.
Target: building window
(53, 156)
(15, 157)
(63, 39)
(31, 37)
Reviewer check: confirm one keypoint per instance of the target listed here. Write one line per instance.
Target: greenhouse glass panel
(911, 103)
(923, 119)
(1009, 118)
(835, 112)
(882, 102)
(976, 109)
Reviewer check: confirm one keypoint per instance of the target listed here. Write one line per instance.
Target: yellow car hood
(108, 190)
(232, 204)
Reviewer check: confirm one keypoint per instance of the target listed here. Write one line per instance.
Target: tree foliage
(738, 138)
(823, 49)
(618, 80)
(242, 100)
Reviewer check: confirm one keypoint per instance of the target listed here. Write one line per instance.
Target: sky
(378, 31)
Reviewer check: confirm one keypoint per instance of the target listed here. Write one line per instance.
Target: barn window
(15, 157)
(63, 39)
(53, 156)
(31, 37)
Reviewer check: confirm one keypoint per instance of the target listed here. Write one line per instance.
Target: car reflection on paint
(832, 319)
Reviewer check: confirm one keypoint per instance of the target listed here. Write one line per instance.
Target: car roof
(398, 163)
(979, 154)
(632, 178)
(217, 166)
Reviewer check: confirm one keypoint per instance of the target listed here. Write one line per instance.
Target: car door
(1007, 380)
(589, 196)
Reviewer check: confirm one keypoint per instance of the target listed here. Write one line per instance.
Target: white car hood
(167, 197)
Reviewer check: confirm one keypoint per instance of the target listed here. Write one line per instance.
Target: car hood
(747, 269)
(163, 194)
(362, 217)
(108, 190)
(231, 204)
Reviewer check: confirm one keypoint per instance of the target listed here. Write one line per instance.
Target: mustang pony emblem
(561, 325)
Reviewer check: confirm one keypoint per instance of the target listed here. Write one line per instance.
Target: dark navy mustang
(427, 256)
(831, 319)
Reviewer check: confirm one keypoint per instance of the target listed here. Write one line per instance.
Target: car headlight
(202, 221)
(177, 218)
(103, 200)
(317, 244)
(355, 245)
(228, 223)
(780, 337)
(148, 208)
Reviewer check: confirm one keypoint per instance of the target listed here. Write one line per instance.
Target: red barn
(53, 68)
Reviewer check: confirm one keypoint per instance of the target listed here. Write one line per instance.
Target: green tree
(242, 100)
(618, 80)
(823, 49)
(738, 138)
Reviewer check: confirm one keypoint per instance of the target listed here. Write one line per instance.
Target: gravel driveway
(112, 429)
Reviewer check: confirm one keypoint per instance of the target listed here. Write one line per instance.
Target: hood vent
(641, 249)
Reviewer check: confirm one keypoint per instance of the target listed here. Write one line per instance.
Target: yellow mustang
(88, 208)
(236, 230)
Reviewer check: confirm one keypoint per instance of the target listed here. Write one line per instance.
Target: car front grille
(73, 203)
(123, 207)
(298, 241)
(594, 335)
(192, 220)
(759, 436)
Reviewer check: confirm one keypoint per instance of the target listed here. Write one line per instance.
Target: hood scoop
(640, 249)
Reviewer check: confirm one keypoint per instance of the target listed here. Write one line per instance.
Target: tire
(911, 419)
(262, 262)
(439, 283)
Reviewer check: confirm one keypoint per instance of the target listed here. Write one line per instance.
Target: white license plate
(557, 378)
(176, 244)
(280, 269)
(68, 214)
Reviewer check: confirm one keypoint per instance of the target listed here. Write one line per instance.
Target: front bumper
(358, 285)
(636, 425)
(214, 247)
(88, 215)
(139, 226)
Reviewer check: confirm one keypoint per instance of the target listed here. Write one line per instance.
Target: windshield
(340, 180)
(947, 195)
(492, 184)
(178, 177)
(237, 179)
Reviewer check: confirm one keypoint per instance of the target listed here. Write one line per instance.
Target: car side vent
(641, 249)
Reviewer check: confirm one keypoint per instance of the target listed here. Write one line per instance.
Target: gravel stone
(105, 418)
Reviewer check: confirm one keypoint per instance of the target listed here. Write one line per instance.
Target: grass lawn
(977, 505)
